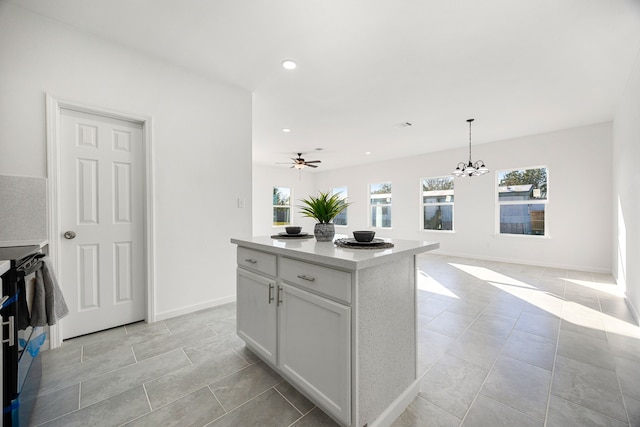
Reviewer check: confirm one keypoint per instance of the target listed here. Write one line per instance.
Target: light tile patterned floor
(499, 344)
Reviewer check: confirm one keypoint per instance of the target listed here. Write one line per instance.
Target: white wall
(579, 213)
(302, 184)
(201, 143)
(626, 190)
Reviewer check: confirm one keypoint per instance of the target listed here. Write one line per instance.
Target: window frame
(273, 206)
(423, 205)
(499, 204)
(389, 204)
(346, 210)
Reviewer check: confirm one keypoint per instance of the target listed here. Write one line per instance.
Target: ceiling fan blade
(311, 166)
(314, 161)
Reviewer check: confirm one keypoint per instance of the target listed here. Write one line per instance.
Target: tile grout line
(238, 407)
(218, 400)
(207, 385)
(491, 370)
(555, 358)
(187, 356)
(283, 396)
(624, 401)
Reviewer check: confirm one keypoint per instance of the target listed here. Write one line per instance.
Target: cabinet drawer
(260, 262)
(323, 280)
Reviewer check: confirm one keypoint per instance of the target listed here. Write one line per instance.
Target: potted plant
(323, 209)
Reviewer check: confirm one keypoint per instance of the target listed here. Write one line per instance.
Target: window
(437, 203)
(380, 202)
(341, 218)
(281, 206)
(522, 201)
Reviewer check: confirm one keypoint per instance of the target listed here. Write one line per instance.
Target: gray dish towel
(48, 302)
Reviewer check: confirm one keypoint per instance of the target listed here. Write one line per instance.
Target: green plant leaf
(323, 208)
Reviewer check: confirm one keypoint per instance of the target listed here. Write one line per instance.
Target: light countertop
(330, 254)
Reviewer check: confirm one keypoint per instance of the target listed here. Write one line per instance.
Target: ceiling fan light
(299, 166)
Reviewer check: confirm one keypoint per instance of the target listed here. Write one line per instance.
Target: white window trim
(422, 205)
(498, 203)
(346, 210)
(390, 204)
(290, 206)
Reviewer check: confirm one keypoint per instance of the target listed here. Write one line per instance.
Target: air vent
(403, 125)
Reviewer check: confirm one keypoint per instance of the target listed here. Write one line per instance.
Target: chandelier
(472, 169)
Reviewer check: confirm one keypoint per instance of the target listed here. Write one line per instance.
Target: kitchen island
(339, 324)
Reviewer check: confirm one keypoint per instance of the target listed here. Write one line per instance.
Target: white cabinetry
(257, 314)
(314, 349)
(339, 324)
(287, 321)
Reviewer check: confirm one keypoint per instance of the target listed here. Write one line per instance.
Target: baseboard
(636, 316)
(523, 262)
(195, 307)
(398, 406)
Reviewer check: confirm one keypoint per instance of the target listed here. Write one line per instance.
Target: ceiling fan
(300, 163)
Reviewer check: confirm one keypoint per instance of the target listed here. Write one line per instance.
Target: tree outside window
(341, 218)
(380, 202)
(522, 200)
(281, 206)
(437, 203)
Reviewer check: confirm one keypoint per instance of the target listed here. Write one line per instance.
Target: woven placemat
(292, 236)
(341, 243)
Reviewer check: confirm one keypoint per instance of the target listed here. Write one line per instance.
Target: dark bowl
(364, 236)
(293, 230)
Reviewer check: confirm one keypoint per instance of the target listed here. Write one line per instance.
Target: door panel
(101, 201)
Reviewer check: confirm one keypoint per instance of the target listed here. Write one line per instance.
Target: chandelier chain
(471, 169)
(470, 120)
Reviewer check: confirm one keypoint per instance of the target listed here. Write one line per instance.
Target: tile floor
(499, 345)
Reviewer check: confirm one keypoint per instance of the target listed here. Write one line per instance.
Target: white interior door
(101, 215)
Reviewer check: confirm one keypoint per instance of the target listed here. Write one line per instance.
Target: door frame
(53, 107)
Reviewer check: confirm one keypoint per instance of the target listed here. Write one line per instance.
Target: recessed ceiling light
(319, 149)
(288, 64)
(286, 130)
(367, 152)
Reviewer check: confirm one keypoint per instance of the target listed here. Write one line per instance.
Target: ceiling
(519, 67)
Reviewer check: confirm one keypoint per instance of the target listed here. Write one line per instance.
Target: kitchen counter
(328, 253)
(338, 323)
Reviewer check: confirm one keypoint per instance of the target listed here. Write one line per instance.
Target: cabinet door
(314, 348)
(257, 313)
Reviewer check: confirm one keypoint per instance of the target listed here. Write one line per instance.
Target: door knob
(69, 235)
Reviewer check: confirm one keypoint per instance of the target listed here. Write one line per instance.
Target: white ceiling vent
(403, 125)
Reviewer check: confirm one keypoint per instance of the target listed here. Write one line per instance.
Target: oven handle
(12, 327)
(32, 264)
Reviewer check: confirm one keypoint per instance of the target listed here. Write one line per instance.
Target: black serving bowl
(364, 236)
(293, 230)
